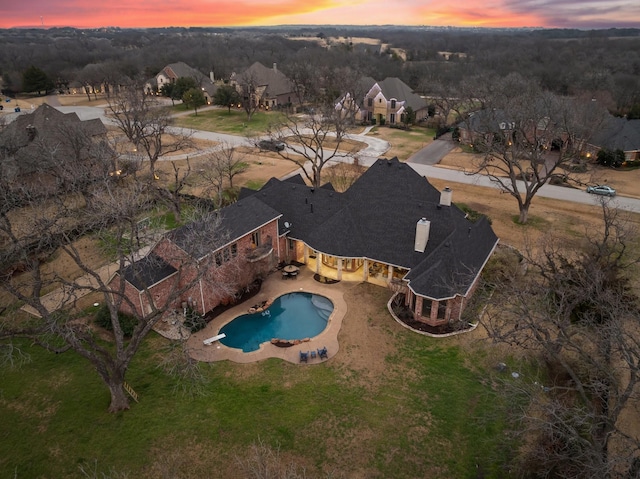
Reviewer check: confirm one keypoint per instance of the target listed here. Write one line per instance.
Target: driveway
(434, 151)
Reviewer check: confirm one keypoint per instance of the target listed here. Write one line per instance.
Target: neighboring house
(171, 73)
(483, 124)
(385, 102)
(47, 146)
(391, 227)
(618, 134)
(270, 87)
(614, 133)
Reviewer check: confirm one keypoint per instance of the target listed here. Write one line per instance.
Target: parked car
(271, 145)
(601, 190)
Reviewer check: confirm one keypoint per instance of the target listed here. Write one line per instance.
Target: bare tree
(343, 175)
(314, 140)
(575, 318)
(221, 165)
(528, 138)
(146, 125)
(250, 93)
(172, 196)
(32, 227)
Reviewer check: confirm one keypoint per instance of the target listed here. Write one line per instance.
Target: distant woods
(603, 64)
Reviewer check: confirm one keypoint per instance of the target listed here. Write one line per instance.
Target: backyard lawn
(391, 404)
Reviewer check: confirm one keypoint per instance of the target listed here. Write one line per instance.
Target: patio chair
(304, 357)
(323, 353)
(285, 275)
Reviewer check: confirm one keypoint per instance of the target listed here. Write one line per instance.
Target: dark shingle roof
(147, 271)
(276, 82)
(22, 141)
(618, 133)
(376, 219)
(228, 224)
(393, 87)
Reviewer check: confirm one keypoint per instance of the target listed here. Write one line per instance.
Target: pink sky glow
(201, 13)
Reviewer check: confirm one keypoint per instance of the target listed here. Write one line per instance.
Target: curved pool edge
(248, 331)
(272, 288)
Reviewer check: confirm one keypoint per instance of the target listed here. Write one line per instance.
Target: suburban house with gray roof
(384, 103)
(46, 148)
(391, 228)
(618, 134)
(172, 72)
(270, 87)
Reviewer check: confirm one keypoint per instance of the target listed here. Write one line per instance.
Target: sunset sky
(584, 14)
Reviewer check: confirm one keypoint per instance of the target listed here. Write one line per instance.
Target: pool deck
(273, 287)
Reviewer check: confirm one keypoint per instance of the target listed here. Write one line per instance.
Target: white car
(601, 190)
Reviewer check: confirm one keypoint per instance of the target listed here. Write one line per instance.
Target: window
(290, 242)
(442, 310)
(218, 259)
(380, 100)
(370, 102)
(255, 238)
(392, 118)
(226, 254)
(393, 103)
(234, 250)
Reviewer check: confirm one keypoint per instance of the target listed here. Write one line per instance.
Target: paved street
(421, 161)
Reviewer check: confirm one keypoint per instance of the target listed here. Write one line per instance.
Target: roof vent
(422, 235)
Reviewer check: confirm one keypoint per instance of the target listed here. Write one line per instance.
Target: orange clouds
(485, 13)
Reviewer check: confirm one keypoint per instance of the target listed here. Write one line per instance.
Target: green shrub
(127, 322)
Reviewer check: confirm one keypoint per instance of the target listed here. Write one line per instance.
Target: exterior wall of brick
(212, 283)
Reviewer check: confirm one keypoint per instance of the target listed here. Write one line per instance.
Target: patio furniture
(323, 353)
(285, 275)
(313, 354)
(304, 357)
(293, 275)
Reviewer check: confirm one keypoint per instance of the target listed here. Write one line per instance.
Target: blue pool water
(291, 316)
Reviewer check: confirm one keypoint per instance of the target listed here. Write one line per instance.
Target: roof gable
(275, 81)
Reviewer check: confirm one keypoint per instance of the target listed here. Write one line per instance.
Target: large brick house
(617, 134)
(269, 87)
(391, 227)
(172, 72)
(47, 149)
(384, 102)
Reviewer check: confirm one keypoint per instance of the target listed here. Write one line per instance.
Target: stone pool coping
(273, 287)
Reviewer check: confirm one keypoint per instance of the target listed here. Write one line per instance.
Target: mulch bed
(404, 314)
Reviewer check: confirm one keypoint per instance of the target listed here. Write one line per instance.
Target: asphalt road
(422, 161)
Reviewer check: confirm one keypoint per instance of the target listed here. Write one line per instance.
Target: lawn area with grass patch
(419, 415)
(234, 122)
(404, 143)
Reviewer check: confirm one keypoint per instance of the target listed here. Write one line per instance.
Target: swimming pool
(291, 316)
